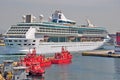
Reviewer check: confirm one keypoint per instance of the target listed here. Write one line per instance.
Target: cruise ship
(49, 36)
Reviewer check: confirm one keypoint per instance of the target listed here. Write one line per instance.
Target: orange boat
(63, 57)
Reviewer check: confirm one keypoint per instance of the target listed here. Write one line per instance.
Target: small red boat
(63, 57)
(45, 63)
(36, 63)
(31, 58)
(35, 69)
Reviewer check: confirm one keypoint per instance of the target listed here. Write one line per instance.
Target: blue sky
(104, 13)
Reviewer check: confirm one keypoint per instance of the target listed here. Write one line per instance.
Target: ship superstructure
(50, 36)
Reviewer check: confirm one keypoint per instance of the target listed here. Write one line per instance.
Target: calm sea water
(81, 68)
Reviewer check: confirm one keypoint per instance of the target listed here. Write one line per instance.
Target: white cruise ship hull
(50, 36)
(53, 47)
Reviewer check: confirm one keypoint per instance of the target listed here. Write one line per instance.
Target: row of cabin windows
(34, 44)
(23, 28)
(92, 32)
(15, 36)
(17, 40)
(63, 39)
(57, 30)
(23, 44)
(18, 29)
(16, 32)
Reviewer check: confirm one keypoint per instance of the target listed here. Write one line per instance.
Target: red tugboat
(35, 69)
(44, 62)
(63, 57)
(35, 62)
(32, 58)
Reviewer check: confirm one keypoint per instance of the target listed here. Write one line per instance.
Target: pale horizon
(102, 13)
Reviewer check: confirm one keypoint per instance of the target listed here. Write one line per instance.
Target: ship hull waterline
(46, 48)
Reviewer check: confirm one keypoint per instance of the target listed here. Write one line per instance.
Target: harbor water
(81, 68)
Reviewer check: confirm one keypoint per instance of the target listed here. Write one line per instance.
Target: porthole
(15, 40)
(20, 40)
(33, 40)
(25, 44)
(25, 40)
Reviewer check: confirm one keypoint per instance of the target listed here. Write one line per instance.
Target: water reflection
(63, 72)
(58, 72)
(117, 68)
(36, 78)
(81, 68)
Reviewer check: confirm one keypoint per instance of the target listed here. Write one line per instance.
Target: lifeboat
(63, 57)
(46, 38)
(71, 37)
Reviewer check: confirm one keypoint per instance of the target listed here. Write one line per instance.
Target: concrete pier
(101, 53)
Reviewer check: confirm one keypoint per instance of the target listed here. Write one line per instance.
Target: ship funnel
(41, 17)
(30, 18)
(89, 23)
